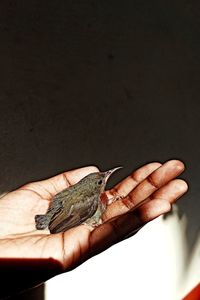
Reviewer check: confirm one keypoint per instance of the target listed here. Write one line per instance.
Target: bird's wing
(77, 214)
(59, 201)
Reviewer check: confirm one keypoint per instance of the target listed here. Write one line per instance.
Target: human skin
(28, 257)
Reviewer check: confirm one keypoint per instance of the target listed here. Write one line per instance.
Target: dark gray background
(107, 83)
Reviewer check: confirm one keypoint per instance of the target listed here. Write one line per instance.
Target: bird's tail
(41, 221)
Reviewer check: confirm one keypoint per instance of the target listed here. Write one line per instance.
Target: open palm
(151, 190)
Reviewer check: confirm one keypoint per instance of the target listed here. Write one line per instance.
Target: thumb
(50, 187)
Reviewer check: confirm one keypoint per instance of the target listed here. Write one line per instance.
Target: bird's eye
(100, 182)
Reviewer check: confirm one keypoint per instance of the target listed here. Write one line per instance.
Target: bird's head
(96, 182)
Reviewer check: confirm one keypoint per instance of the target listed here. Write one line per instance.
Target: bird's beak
(110, 172)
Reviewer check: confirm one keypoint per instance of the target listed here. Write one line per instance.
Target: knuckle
(151, 179)
(65, 179)
(136, 176)
(156, 164)
(128, 202)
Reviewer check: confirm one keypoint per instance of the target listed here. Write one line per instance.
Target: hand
(147, 193)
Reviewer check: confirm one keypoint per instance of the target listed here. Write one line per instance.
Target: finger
(73, 176)
(154, 181)
(170, 193)
(50, 187)
(128, 184)
(160, 177)
(115, 230)
(159, 203)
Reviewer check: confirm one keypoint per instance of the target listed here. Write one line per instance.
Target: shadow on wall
(187, 257)
(37, 293)
(21, 274)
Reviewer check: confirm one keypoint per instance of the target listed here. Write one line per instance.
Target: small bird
(78, 204)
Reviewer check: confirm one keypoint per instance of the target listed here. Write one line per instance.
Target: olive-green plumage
(80, 203)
